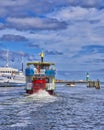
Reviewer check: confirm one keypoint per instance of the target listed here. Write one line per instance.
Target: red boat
(40, 76)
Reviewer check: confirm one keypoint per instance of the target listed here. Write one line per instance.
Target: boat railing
(48, 72)
(31, 72)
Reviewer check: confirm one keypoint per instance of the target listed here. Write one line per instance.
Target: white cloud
(31, 23)
(11, 3)
(85, 26)
(69, 13)
(77, 13)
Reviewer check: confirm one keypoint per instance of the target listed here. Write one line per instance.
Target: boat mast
(42, 56)
(22, 63)
(7, 64)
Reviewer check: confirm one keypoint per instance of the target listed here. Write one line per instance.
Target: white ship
(10, 76)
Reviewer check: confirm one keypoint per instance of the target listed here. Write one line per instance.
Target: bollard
(91, 84)
(97, 84)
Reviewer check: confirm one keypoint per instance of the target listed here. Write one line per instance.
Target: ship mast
(7, 64)
(42, 56)
(22, 63)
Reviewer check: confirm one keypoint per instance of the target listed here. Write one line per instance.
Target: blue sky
(71, 32)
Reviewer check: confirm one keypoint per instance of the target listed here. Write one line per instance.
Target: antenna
(22, 58)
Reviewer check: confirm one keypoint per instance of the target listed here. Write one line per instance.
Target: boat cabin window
(8, 72)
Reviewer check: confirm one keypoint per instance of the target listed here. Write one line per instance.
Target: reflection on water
(73, 108)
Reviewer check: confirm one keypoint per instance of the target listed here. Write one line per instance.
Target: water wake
(42, 96)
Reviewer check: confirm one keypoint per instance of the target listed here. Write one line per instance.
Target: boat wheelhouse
(40, 76)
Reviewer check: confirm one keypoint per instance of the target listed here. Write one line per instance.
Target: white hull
(11, 76)
(11, 82)
(8, 78)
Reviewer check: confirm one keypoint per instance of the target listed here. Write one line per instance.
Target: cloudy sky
(71, 32)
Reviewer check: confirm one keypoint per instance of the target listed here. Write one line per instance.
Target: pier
(70, 82)
(89, 84)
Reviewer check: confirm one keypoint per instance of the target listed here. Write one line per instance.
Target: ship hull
(51, 92)
(39, 84)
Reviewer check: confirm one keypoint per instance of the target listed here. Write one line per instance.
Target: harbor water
(72, 108)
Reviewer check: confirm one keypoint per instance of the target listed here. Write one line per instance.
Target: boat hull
(37, 85)
(51, 92)
(11, 84)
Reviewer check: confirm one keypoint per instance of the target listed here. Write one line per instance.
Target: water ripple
(77, 108)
